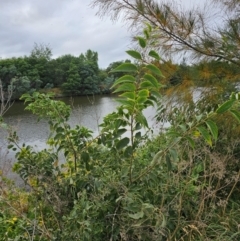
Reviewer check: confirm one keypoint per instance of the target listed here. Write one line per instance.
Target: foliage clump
(182, 184)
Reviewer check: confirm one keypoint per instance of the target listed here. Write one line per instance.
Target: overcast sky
(68, 26)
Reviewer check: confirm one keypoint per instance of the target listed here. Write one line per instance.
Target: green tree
(72, 85)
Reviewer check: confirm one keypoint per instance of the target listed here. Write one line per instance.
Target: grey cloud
(69, 27)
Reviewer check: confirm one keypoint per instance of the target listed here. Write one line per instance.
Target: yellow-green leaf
(143, 93)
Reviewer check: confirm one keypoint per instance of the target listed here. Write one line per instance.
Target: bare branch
(5, 99)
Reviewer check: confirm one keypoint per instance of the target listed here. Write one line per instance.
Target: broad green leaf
(236, 114)
(125, 67)
(155, 70)
(134, 54)
(141, 100)
(130, 95)
(142, 42)
(225, 106)
(154, 54)
(213, 129)
(138, 135)
(143, 93)
(205, 134)
(128, 102)
(118, 123)
(124, 79)
(125, 87)
(122, 143)
(137, 215)
(152, 79)
(138, 126)
(146, 84)
(121, 131)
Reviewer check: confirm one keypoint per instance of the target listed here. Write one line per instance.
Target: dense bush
(182, 184)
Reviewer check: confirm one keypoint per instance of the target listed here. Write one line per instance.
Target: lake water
(86, 111)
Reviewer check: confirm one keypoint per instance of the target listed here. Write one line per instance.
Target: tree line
(82, 76)
(73, 75)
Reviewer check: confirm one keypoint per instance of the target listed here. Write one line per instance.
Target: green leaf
(121, 131)
(125, 67)
(138, 135)
(137, 215)
(127, 102)
(143, 93)
(141, 100)
(154, 54)
(155, 70)
(142, 42)
(236, 114)
(153, 80)
(125, 87)
(134, 54)
(225, 106)
(124, 79)
(205, 134)
(129, 95)
(213, 129)
(146, 84)
(122, 143)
